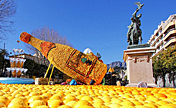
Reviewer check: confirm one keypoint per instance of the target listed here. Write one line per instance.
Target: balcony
(158, 50)
(170, 41)
(159, 43)
(170, 32)
(168, 25)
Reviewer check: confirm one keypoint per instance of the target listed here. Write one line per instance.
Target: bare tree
(7, 10)
(46, 34)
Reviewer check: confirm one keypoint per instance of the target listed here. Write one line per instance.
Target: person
(142, 84)
(118, 83)
(73, 82)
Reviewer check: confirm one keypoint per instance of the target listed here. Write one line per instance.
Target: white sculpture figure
(142, 84)
(87, 51)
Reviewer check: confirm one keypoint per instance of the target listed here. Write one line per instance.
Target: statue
(134, 31)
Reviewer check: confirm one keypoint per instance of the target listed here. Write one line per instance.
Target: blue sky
(100, 25)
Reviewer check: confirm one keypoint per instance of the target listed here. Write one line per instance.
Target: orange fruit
(106, 99)
(167, 106)
(71, 98)
(37, 103)
(1, 93)
(126, 96)
(71, 103)
(105, 94)
(137, 103)
(54, 103)
(99, 96)
(55, 97)
(88, 98)
(80, 96)
(169, 100)
(42, 106)
(171, 96)
(103, 106)
(171, 91)
(151, 105)
(16, 106)
(2, 105)
(154, 99)
(26, 93)
(85, 106)
(47, 94)
(162, 102)
(127, 106)
(160, 95)
(107, 103)
(19, 95)
(6, 89)
(116, 100)
(19, 102)
(77, 93)
(114, 105)
(127, 103)
(33, 94)
(64, 106)
(82, 103)
(98, 100)
(4, 100)
(44, 98)
(136, 93)
(97, 105)
(141, 106)
(150, 102)
(33, 98)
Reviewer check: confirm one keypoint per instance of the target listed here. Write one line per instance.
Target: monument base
(139, 65)
(136, 84)
(138, 46)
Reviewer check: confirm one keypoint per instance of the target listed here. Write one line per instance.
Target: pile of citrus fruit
(85, 96)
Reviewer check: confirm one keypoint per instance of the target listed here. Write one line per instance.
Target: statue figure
(134, 31)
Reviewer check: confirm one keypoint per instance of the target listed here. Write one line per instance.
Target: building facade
(165, 35)
(35, 58)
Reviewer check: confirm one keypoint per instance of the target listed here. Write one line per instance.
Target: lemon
(71, 98)
(42, 106)
(54, 103)
(19, 102)
(71, 103)
(167, 106)
(2, 105)
(114, 105)
(97, 105)
(37, 103)
(151, 105)
(82, 103)
(33, 98)
(141, 106)
(64, 106)
(88, 98)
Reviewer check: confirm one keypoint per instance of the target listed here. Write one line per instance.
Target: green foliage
(39, 70)
(164, 62)
(3, 62)
(125, 77)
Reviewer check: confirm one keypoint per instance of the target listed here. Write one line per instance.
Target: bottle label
(46, 47)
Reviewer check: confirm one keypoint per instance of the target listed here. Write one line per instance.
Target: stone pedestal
(139, 65)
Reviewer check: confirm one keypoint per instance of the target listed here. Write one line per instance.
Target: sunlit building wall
(165, 35)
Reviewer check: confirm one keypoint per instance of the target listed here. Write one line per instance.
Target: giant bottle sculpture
(85, 68)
